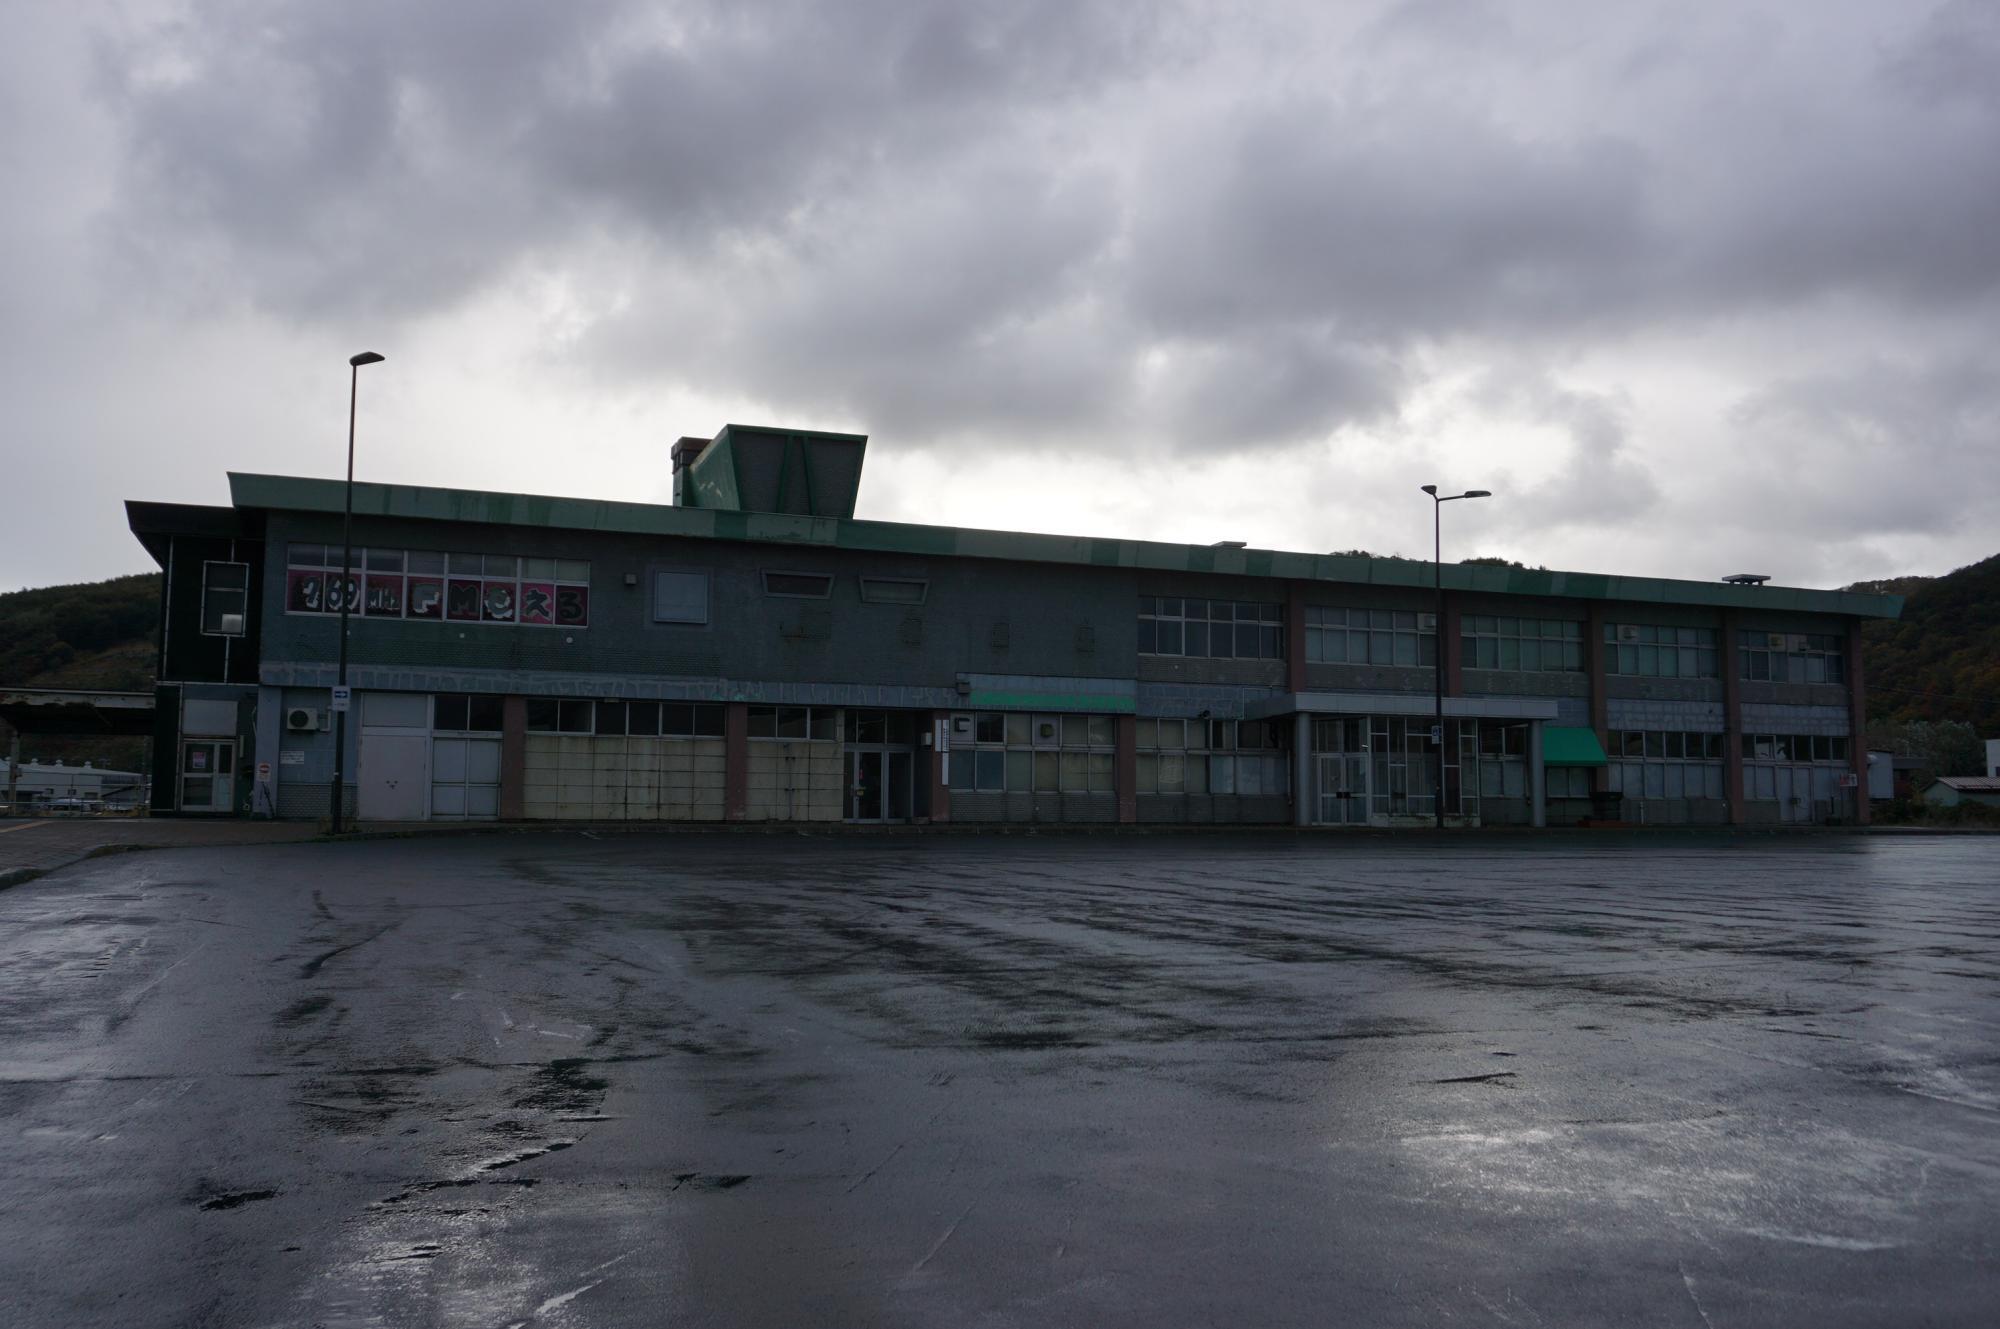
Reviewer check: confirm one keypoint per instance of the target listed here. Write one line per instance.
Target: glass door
(864, 796)
(208, 773)
(901, 764)
(1343, 789)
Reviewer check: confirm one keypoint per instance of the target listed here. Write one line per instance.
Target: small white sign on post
(343, 697)
(263, 770)
(292, 757)
(1437, 733)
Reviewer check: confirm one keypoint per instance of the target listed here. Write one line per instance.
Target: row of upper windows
(506, 588)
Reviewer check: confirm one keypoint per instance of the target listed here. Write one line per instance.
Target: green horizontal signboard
(1099, 702)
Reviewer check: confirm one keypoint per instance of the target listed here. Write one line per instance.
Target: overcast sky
(1694, 288)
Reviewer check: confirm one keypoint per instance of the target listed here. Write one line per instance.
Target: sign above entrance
(343, 697)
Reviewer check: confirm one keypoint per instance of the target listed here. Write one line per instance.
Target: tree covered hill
(1941, 660)
(92, 635)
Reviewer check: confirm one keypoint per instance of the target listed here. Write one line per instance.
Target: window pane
(1196, 640)
(708, 721)
(1017, 728)
(991, 769)
(825, 724)
(572, 569)
(990, 729)
(677, 719)
(642, 718)
(450, 709)
(1020, 771)
(610, 717)
(576, 717)
(1046, 781)
(791, 722)
(763, 722)
(1148, 636)
(541, 715)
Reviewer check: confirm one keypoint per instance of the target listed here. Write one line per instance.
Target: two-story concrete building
(753, 652)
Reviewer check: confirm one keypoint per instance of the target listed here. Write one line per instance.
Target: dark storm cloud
(1143, 232)
(1877, 448)
(1385, 223)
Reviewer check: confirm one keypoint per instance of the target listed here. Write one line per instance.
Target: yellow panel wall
(582, 778)
(795, 781)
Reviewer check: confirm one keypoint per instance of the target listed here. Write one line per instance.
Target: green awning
(1570, 747)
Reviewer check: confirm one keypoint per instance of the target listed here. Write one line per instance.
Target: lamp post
(346, 571)
(1437, 651)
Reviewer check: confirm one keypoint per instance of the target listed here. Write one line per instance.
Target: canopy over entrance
(80, 713)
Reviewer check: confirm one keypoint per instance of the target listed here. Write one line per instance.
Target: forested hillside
(91, 635)
(1941, 660)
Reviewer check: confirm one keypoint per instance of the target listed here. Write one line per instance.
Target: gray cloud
(1132, 232)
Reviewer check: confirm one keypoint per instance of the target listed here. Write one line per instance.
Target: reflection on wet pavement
(546, 1079)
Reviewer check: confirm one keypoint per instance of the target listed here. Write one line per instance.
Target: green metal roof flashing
(1564, 746)
(303, 494)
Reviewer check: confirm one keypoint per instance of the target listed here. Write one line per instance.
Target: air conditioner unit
(1628, 632)
(1775, 641)
(303, 720)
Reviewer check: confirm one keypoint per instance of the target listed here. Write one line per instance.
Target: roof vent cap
(1747, 578)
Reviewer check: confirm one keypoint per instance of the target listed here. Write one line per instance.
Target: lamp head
(1477, 493)
(365, 358)
(1432, 490)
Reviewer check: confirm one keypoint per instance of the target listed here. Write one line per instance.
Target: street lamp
(1437, 652)
(346, 571)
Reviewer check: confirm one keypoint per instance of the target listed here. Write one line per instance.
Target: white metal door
(394, 781)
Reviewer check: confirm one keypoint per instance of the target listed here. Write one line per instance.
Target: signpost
(343, 697)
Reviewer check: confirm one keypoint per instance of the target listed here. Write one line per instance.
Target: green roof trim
(1101, 703)
(1564, 746)
(302, 494)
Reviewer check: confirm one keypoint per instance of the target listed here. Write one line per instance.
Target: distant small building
(1993, 757)
(36, 783)
(1891, 776)
(1951, 790)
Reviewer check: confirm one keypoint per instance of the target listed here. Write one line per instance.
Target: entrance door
(394, 781)
(1343, 789)
(208, 775)
(864, 790)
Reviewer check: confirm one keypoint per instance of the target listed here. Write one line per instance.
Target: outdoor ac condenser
(303, 720)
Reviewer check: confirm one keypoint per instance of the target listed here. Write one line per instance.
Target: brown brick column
(1732, 721)
(735, 760)
(1125, 770)
(1451, 647)
(1857, 723)
(1295, 638)
(940, 790)
(513, 758)
(1594, 672)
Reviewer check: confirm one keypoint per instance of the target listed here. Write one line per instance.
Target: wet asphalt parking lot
(554, 1080)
